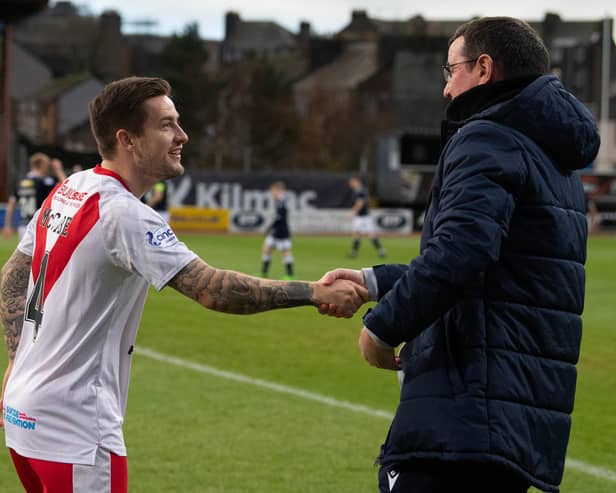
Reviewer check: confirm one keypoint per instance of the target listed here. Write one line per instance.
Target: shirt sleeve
(139, 241)
(371, 283)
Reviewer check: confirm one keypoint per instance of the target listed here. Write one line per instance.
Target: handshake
(340, 292)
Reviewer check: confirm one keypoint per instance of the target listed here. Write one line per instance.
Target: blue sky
(327, 16)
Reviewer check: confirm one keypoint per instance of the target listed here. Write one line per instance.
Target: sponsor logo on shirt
(14, 417)
(162, 238)
(70, 193)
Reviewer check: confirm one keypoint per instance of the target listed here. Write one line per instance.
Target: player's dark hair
(514, 45)
(120, 106)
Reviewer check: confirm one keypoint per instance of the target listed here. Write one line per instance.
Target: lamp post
(604, 119)
(6, 112)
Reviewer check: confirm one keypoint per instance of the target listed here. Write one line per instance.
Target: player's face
(158, 150)
(44, 167)
(276, 192)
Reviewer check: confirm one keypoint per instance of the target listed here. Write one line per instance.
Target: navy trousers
(433, 476)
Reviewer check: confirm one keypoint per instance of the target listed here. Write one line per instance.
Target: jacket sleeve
(483, 170)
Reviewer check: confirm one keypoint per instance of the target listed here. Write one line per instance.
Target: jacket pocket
(455, 377)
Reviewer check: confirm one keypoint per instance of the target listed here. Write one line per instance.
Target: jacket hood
(550, 115)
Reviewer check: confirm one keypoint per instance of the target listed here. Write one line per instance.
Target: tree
(183, 64)
(257, 125)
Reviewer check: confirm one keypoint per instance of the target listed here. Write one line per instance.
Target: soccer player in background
(72, 295)
(157, 199)
(278, 233)
(363, 224)
(32, 189)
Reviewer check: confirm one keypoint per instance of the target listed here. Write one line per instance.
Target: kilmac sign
(316, 203)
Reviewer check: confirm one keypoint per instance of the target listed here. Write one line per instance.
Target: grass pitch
(189, 431)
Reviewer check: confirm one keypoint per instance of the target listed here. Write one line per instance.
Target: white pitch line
(586, 468)
(264, 384)
(574, 464)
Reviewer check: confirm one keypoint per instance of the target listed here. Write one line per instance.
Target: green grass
(191, 432)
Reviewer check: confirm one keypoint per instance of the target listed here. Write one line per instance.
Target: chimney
(232, 20)
(359, 16)
(111, 22)
(549, 27)
(304, 31)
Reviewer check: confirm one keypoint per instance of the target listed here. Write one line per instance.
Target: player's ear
(124, 139)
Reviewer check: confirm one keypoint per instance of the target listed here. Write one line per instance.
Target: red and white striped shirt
(95, 250)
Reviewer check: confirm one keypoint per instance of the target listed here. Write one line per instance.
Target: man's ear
(487, 69)
(124, 139)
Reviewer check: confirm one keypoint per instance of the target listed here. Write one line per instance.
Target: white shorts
(363, 224)
(281, 244)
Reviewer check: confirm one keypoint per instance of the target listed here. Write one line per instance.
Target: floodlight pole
(605, 92)
(6, 112)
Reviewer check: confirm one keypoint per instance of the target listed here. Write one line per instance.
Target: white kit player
(362, 220)
(73, 292)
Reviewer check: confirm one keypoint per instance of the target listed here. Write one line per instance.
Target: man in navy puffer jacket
(490, 311)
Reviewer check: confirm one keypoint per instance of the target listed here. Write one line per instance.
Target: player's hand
(4, 380)
(377, 355)
(57, 169)
(343, 295)
(7, 232)
(356, 276)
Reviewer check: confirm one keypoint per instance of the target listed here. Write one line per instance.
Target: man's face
(158, 150)
(46, 167)
(277, 192)
(464, 76)
(42, 166)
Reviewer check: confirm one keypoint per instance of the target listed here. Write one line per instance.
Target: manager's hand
(342, 297)
(355, 276)
(376, 354)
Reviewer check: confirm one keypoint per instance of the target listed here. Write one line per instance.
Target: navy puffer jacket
(491, 308)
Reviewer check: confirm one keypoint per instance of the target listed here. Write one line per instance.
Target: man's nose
(446, 92)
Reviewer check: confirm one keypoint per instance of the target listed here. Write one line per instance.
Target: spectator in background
(72, 295)
(278, 233)
(363, 223)
(490, 310)
(31, 191)
(156, 198)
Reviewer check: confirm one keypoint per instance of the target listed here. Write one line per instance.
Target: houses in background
(390, 70)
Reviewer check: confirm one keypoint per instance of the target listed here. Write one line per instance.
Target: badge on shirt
(162, 238)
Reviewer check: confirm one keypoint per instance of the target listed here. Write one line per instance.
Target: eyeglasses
(447, 72)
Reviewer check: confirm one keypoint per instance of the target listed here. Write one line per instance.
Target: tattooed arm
(234, 292)
(13, 289)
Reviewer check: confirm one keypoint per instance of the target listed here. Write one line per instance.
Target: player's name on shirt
(56, 222)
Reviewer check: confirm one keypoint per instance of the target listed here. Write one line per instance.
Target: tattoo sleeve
(233, 292)
(13, 290)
